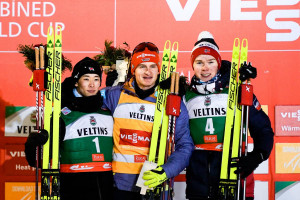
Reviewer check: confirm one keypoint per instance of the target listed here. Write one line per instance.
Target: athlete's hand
(34, 139)
(111, 77)
(155, 177)
(247, 71)
(223, 80)
(247, 164)
(183, 86)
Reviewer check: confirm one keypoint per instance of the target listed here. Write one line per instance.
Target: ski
(50, 170)
(229, 182)
(45, 180)
(159, 106)
(55, 194)
(238, 136)
(165, 121)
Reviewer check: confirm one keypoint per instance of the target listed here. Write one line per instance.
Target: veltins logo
(142, 108)
(93, 120)
(287, 158)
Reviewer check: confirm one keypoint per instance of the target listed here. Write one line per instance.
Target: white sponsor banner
(19, 121)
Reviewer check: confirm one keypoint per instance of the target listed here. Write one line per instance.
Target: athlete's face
(88, 84)
(205, 67)
(146, 75)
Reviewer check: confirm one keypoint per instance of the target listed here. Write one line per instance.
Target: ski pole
(37, 63)
(173, 111)
(246, 101)
(39, 88)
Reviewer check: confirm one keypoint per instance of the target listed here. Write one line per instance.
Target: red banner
(15, 163)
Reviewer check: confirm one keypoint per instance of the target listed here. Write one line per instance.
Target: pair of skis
(163, 131)
(52, 90)
(236, 125)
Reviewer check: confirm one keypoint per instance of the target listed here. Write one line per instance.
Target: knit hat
(206, 45)
(146, 53)
(86, 66)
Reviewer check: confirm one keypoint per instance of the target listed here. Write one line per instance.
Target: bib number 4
(209, 126)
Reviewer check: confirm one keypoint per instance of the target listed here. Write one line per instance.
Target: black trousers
(126, 195)
(203, 174)
(88, 185)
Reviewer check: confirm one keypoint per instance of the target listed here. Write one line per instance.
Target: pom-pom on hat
(144, 52)
(206, 45)
(86, 66)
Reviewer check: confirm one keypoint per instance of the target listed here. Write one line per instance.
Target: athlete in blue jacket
(206, 102)
(132, 106)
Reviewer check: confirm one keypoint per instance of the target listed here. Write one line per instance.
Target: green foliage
(29, 54)
(110, 54)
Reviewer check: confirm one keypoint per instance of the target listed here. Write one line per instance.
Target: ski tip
(245, 43)
(58, 31)
(50, 31)
(167, 44)
(236, 42)
(175, 46)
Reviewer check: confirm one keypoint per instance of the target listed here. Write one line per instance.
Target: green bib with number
(207, 114)
(88, 141)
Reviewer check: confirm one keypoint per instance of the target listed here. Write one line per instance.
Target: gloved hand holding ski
(247, 71)
(34, 139)
(155, 177)
(247, 164)
(183, 86)
(223, 81)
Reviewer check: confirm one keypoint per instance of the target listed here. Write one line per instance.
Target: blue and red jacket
(122, 100)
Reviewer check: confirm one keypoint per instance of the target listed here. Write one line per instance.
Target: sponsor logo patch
(135, 138)
(140, 158)
(66, 111)
(210, 138)
(207, 101)
(93, 120)
(142, 108)
(97, 157)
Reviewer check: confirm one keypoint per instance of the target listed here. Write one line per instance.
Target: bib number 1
(96, 141)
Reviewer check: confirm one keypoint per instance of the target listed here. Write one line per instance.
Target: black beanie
(86, 66)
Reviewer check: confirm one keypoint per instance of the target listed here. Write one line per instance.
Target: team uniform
(133, 122)
(207, 112)
(85, 137)
(86, 149)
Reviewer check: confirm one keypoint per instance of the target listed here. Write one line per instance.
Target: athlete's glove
(34, 139)
(183, 86)
(111, 77)
(247, 164)
(155, 177)
(247, 71)
(223, 81)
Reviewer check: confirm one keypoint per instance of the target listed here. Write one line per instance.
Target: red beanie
(206, 45)
(144, 56)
